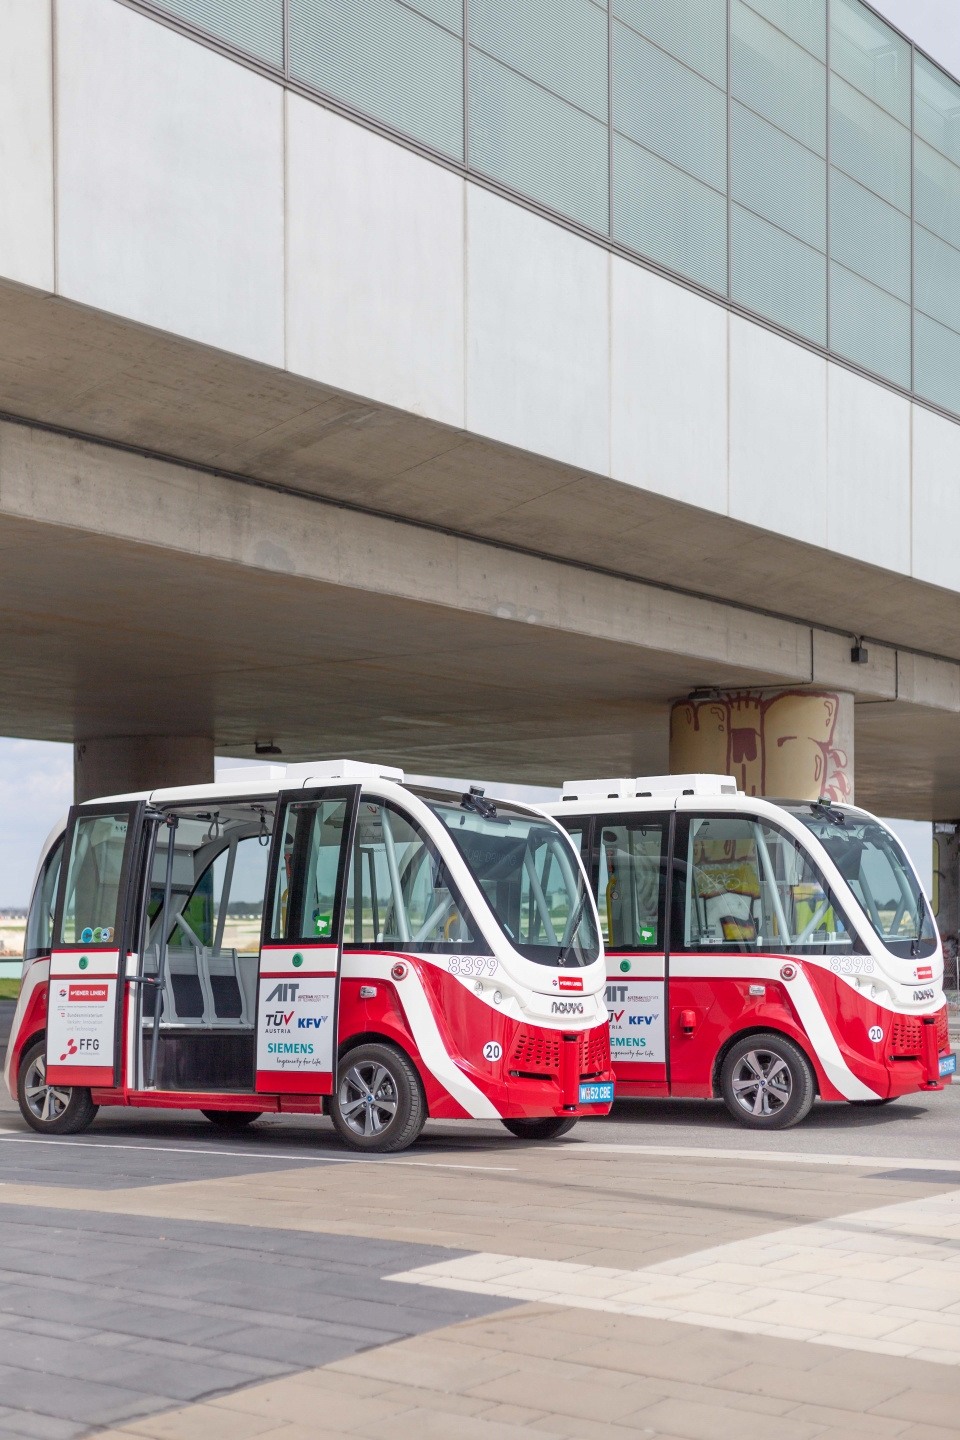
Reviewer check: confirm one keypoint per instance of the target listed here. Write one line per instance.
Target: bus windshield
(530, 874)
(872, 862)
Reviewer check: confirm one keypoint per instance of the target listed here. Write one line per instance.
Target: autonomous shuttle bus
(331, 942)
(762, 951)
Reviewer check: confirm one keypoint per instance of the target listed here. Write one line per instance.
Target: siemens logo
(566, 1007)
(288, 1047)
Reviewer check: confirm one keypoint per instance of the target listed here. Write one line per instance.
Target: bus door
(628, 870)
(93, 925)
(302, 945)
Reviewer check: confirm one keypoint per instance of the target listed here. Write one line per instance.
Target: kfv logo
(284, 992)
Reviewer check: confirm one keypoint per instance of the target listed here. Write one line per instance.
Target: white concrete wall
(191, 195)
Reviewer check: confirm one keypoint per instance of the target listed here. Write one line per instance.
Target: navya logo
(284, 992)
(567, 1007)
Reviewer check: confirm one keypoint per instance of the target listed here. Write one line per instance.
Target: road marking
(787, 1157)
(885, 1280)
(319, 1159)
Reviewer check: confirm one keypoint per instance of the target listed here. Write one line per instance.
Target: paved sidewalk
(268, 1300)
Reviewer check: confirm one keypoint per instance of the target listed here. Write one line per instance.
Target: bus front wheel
(767, 1082)
(550, 1127)
(378, 1104)
(51, 1109)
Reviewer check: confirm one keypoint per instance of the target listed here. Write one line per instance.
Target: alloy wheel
(368, 1098)
(46, 1102)
(762, 1082)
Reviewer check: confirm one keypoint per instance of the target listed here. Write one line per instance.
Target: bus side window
(398, 892)
(630, 892)
(749, 886)
(39, 934)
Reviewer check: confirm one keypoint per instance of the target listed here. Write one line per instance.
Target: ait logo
(70, 1050)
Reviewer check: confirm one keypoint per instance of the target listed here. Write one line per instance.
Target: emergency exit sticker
(80, 1022)
(636, 1022)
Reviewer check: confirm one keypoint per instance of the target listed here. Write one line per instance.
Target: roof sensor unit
(647, 786)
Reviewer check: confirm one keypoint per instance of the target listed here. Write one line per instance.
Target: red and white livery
(326, 940)
(763, 951)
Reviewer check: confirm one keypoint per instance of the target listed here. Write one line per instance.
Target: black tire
(232, 1119)
(767, 1082)
(550, 1127)
(379, 1104)
(68, 1108)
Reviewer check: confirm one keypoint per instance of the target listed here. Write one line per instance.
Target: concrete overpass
(311, 440)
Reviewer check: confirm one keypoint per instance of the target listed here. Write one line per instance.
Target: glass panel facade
(778, 276)
(869, 144)
(694, 31)
(777, 78)
(560, 44)
(937, 278)
(537, 143)
(666, 214)
(777, 129)
(777, 178)
(869, 326)
(669, 108)
(385, 59)
(255, 26)
(936, 362)
(871, 57)
(869, 236)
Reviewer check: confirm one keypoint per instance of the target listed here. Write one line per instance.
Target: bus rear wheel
(231, 1119)
(378, 1104)
(767, 1082)
(550, 1127)
(51, 1109)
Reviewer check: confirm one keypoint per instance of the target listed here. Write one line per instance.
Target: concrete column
(793, 744)
(117, 764)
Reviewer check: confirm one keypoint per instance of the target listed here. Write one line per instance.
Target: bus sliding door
(91, 937)
(303, 940)
(629, 870)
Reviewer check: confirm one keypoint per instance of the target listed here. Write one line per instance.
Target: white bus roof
(644, 786)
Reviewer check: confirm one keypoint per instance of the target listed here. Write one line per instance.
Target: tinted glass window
(872, 862)
(528, 870)
(632, 853)
(743, 884)
(310, 865)
(399, 894)
(39, 934)
(93, 880)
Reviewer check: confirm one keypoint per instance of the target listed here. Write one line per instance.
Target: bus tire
(549, 1127)
(51, 1109)
(231, 1119)
(378, 1104)
(767, 1082)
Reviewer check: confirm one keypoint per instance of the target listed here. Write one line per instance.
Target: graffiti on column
(792, 743)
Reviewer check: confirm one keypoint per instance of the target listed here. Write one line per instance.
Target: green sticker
(84, 962)
(321, 924)
(624, 965)
(298, 961)
(647, 935)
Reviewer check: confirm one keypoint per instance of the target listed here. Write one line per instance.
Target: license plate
(601, 1094)
(948, 1065)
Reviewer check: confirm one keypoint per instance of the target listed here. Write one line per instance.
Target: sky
(36, 787)
(934, 25)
